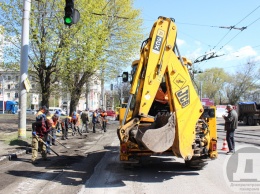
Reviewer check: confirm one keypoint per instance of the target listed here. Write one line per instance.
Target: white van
(52, 110)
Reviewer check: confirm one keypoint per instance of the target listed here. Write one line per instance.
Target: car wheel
(245, 121)
(251, 121)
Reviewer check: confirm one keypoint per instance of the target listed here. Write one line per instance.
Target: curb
(13, 155)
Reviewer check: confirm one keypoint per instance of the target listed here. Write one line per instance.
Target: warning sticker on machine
(158, 41)
(183, 96)
(179, 80)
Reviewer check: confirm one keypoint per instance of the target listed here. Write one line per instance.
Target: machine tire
(195, 164)
(251, 121)
(245, 120)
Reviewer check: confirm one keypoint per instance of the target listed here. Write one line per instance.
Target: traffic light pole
(24, 68)
(121, 91)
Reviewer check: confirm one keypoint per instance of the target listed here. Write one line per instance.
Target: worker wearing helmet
(41, 113)
(75, 123)
(160, 103)
(85, 120)
(65, 125)
(94, 120)
(39, 135)
(55, 120)
(103, 115)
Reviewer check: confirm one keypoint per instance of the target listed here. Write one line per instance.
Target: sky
(200, 29)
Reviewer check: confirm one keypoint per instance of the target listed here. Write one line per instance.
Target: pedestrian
(104, 120)
(85, 120)
(39, 135)
(65, 125)
(94, 120)
(231, 122)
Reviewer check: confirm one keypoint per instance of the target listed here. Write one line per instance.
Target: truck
(164, 114)
(249, 113)
(10, 107)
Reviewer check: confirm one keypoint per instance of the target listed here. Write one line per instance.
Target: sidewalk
(9, 152)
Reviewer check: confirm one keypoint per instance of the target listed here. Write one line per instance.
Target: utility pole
(201, 91)
(121, 91)
(24, 69)
(3, 92)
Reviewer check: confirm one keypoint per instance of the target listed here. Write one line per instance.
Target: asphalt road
(91, 165)
(243, 134)
(63, 174)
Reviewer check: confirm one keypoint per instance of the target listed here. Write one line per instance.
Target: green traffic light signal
(68, 20)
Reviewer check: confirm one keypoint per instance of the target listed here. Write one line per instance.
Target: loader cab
(134, 68)
(208, 112)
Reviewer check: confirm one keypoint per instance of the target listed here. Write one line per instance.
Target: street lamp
(3, 91)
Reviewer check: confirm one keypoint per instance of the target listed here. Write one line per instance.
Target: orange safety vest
(77, 120)
(161, 96)
(55, 122)
(103, 115)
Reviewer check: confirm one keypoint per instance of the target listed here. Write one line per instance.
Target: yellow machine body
(182, 127)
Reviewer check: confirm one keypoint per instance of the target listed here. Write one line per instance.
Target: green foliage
(104, 38)
(104, 32)
(213, 80)
(231, 87)
(244, 82)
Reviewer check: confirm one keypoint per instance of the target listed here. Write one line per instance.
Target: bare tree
(243, 82)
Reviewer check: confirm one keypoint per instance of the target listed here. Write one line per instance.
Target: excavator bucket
(159, 136)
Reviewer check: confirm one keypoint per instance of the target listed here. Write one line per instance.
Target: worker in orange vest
(161, 96)
(104, 120)
(160, 103)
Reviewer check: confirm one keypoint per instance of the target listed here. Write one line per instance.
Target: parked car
(112, 114)
(30, 111)
(52, 110)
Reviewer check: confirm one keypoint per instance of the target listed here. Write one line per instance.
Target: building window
(16, 86)
(9, 77)
(8, 86)
(16, 95)
(33, 85)
(8, 95)
(17, 78)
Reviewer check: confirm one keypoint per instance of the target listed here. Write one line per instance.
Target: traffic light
(125, 76)
(69, 12)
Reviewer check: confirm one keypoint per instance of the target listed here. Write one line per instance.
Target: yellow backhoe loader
(164, 114)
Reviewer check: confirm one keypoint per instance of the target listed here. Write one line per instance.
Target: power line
(232, 27)
(239, 33)
(206, 57)
(248, 14)
(213, 55)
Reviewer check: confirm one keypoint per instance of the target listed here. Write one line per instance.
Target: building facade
(9, 90)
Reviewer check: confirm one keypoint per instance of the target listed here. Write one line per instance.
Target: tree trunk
(77, 90)
(45, 82)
